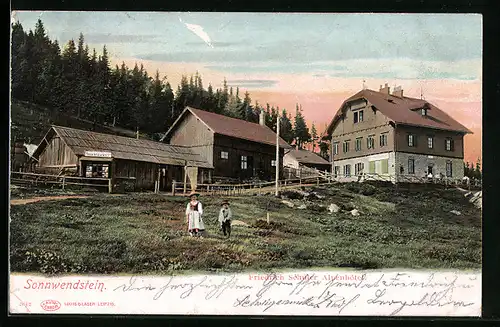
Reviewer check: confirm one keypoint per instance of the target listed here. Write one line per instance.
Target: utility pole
(277, 153)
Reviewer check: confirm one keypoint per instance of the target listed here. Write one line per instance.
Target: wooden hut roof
(308, 157)
(124, 148)
(229, 126)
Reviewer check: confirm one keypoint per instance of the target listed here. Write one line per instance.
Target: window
(347, 170)
(224, 155)
(336, 148)
(358, 144)
(358, 168)
(383, 139)
(336, 170)
(412, 140)
(411, 166)
(97, 170)
(430, 142)
(448, 144)
(370, 142)
(423, 111)
(385, 166)
(244, 163)
(273, 163)
(371, 167)
(449, 172)
(346, 146)
(358, 116)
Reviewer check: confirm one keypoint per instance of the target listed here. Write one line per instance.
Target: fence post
(110, 185)
(173, 188)
(63, 182)
(185, 179)
(317, 181)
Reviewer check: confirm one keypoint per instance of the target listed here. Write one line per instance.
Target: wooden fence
(406, 178)
(241, 189)
(33, 179)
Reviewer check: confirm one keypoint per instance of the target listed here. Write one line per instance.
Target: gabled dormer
(424, 110)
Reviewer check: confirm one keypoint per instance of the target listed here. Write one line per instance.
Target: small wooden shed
(71, 151)
(299, 157)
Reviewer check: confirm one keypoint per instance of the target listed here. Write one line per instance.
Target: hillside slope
(30, 122)
(146, 233)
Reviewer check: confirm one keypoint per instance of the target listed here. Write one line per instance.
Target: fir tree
(301, 131)
(314, 137)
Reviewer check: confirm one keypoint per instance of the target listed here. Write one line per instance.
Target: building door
(164, 185)
(429, 170)
(251, 168)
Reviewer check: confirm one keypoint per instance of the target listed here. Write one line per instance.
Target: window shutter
(415, 140)
(452, 145)
(371, 167)
(385, 166)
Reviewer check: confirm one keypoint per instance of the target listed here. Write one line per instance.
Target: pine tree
(301, 131)
(245, 110)
(18, 56)
(181, 97)
(50, 86)
(314, 137)
(467, 169)
(69, 78)
(286, 131)
(40, 52)
(324, 150)
(477, 171)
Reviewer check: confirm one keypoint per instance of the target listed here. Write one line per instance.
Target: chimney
(385, 89)
(398, 92)
(262, 120)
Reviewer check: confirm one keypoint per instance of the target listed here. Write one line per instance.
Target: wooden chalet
(237, 149)
(76, 152)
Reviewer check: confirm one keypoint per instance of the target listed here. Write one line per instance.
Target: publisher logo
(50, 305)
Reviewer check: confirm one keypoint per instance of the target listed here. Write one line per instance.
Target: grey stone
(288, 203)
(333, 208)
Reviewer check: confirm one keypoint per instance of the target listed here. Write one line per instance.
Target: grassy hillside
(146, 233)
(31, 122)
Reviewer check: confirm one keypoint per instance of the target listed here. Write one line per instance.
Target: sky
(317, 60)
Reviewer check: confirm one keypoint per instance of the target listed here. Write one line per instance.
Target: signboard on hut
(98, 154)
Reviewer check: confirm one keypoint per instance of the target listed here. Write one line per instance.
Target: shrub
(348, 206)
(44, 261)
(367, 189)
(292, 195)
(317, 208)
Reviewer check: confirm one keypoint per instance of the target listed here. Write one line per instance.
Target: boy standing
(225, 216)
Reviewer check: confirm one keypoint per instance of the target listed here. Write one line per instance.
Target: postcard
(258, 164)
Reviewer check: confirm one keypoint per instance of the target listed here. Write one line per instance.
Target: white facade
(422, 162)
(290, 161)
(373, 164)
(386, 166)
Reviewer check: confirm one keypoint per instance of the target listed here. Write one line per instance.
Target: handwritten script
(397, 293)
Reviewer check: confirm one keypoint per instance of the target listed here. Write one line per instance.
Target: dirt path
(45, 198)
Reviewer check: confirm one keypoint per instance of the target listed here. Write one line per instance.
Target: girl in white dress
(194, 212)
